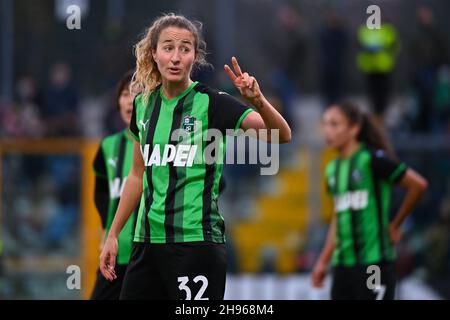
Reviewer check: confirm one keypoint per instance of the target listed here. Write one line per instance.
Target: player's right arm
(128, 201)
(321, 266)
(101, 190)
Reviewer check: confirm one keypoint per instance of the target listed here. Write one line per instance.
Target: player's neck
(349, 148)
(171, 90)
(128, 134)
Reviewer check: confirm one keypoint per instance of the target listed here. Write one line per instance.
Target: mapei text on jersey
(182, 155)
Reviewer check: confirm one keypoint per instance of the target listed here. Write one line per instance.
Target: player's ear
(154, 55)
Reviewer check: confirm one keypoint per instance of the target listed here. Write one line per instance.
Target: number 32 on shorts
(183, 281)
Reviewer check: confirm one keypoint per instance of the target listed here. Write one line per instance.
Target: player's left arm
(267, 116)
(415, 186)
(390, 170)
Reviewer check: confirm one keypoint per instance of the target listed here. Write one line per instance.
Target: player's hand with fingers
(108, 258)
(247, 85)
(318, 274)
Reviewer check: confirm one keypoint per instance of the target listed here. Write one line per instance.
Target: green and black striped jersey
(113, 163)
(180, 188)
(361, 188)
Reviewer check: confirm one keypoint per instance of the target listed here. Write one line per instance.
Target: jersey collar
(177, 98)
(360, 147)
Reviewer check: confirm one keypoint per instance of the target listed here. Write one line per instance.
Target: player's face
(175, 54)
(126, 105)
(337, 128)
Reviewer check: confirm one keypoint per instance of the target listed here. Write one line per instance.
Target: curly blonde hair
(147, 76)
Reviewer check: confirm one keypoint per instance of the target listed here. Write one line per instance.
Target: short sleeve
(387, 168)
(99, 164)
(228, 112)
(134, 130)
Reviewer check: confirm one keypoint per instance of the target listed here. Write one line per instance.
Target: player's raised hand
(246, 84)
(108, 259)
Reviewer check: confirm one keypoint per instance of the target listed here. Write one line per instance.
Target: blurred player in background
(360, 181)
(179, 250)
(112, 165)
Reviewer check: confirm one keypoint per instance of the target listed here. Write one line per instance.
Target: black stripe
(353, 213)
(150, 134)
(208, 182)
(170, 198)
(135, 212)
(377, 189)
(135, 216)
(121, 157)
(336, 192)
(207, 199)
(120, 153)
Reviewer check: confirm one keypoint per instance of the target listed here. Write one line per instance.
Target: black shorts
(109, 290)
(359, 283)
(176, 271)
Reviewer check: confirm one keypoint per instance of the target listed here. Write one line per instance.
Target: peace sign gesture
(246, 84)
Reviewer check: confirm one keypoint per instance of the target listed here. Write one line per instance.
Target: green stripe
(181, 175)
(348, 256)
(195, 175)
(368, 217)
(139, 232)
(112, 173)
(160, 174)
(241, 118)
(334, 174)
(216, 218)
(127, 234)
(144, 113)
(354, 214)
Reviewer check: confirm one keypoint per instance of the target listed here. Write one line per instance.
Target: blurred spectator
(442, 100)
(437, 247)
(333, 43)
(21, 119)
(60, 107)
(287, 49)
(428, 52)
(64, 218)
(30, 99)
(376, 60)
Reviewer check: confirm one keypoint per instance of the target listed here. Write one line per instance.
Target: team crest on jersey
(189, 124)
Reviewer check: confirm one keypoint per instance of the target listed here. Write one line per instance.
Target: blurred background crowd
(57, 94)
